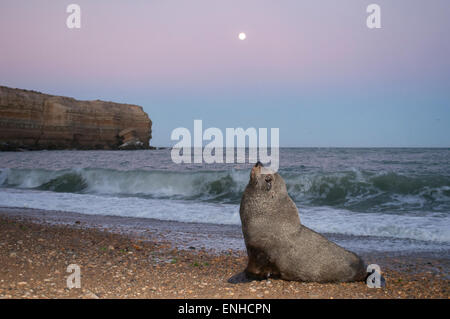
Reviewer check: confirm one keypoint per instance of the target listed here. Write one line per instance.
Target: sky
(311, 68)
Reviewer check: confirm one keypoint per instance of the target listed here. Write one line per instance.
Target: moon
(242, 36)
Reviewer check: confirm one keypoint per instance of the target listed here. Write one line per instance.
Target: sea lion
(278, 245)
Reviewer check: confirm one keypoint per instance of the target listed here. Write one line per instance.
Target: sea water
(394, 199)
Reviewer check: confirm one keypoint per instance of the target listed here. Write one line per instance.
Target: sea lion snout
(259, 164)
(256, 170)
(262, 178)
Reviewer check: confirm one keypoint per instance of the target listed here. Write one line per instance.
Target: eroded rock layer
(33, 120)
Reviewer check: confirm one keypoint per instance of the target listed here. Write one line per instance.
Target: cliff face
(33, 120)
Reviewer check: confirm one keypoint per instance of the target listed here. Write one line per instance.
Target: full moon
(242, 36)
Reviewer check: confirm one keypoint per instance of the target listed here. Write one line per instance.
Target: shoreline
(149, 261)
(182, 235)
(214, 238)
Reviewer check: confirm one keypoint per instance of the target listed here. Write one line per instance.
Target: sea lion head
(266, 195)
(265, 180)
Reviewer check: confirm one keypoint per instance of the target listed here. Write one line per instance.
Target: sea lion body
(279, 246)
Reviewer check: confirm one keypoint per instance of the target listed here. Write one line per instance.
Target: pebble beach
(34, 256)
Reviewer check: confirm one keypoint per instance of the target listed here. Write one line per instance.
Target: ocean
(366, 199)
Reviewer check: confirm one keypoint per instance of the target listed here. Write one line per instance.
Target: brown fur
(279, 246)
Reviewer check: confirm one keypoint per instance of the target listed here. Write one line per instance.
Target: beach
(140, 226)
(145, 258)
(141, 142)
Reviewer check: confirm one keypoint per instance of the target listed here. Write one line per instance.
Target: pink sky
(151, 51)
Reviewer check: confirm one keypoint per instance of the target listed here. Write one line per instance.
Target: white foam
(433, 227)
(322, 219)
(176, 210)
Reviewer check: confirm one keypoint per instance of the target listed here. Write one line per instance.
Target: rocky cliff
(33, 120)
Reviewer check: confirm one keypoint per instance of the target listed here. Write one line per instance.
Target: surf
(355, 190)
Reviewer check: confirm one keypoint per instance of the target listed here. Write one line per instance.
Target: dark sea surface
(369, 199)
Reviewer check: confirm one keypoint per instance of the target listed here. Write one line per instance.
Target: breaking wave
(355, 190)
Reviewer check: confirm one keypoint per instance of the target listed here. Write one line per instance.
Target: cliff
(33, 120)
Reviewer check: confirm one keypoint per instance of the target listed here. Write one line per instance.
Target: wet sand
(141, 258)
